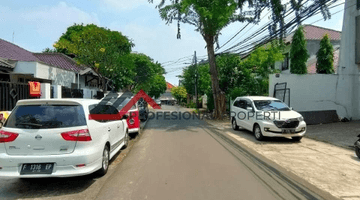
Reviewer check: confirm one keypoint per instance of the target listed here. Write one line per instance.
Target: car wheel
(297, 139)
(126, 140)
(234, 125)
(257, 132)
(105, 161)
(357, 151)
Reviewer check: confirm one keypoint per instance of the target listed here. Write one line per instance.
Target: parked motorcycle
(357, 147)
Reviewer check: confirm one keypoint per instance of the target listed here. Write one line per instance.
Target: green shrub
(325, 57)
(210, 100)
(298, 53)
(191, 105)
(237, 92)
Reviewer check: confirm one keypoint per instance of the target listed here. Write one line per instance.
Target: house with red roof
(167, 97)
(313, 36)
(18, 65)
(169, 86)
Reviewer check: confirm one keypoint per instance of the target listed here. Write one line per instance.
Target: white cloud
(51, 21)
(126, 4)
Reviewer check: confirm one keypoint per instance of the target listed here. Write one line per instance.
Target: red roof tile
(169, 85)
(59, 60)
(317, 33)
(13, 52)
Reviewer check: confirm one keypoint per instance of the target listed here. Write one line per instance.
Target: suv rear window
(46, 116)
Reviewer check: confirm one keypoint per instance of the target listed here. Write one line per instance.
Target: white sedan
(267, 117)
(58, 138)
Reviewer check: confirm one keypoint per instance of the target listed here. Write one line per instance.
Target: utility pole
(196, 77)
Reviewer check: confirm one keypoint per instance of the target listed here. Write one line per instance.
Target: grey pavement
(342, 134)
(328, 167)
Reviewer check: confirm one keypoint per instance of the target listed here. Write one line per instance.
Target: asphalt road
(173, 159)
(185, 159)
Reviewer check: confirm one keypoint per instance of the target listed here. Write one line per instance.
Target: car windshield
(266, 105)
(46, 116)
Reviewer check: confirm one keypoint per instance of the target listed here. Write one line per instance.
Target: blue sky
(37, 24)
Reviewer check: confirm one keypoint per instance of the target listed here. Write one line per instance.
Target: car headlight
(301, 119)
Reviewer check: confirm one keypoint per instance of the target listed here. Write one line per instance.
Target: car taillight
(78, 135)
(7, 136)
(1, 116)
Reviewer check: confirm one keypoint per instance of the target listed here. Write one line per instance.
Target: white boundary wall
(316, 92)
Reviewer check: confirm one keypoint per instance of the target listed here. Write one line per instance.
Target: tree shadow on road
(45, 187)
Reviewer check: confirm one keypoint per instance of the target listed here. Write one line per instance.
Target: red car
(133, 121)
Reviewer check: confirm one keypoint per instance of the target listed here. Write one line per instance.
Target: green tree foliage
(325, 57)
(237, 77)
(157, 86)
(145, 72)
(106, 52)
(211, 16)
(203, 80)
(298, 53)
(261, 63)
(179, 93)
(48, 50)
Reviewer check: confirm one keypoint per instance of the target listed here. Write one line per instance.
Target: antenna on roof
(13, 37)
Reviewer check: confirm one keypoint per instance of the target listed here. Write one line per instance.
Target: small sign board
(35, 89)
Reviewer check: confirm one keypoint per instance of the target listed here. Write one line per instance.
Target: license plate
(288, 131)
(37, 168)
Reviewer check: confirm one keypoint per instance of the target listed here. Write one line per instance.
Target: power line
(242, 30)
(289, 25)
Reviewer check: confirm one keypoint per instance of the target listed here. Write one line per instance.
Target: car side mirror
(291, 108)
(126, 116)
(250, 109)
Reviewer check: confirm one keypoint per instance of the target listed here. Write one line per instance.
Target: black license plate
(37, 168)
(288, 131)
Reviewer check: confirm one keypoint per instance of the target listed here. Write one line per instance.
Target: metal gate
(10, 93)
(282, 92)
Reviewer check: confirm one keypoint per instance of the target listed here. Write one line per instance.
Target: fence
(10, 93)
(71, 93)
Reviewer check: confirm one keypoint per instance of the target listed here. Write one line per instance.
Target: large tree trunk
(219, 96)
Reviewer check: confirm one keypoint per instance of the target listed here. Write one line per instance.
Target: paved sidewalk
(342, 134)
(331, 168)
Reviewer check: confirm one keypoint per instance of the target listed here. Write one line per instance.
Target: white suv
(267, 117)
(58, 138)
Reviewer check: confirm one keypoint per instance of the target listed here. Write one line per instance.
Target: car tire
(126, 140)
(357, 151)
(257, 133)
(105, 161)
(296, 139)
(234, 125)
